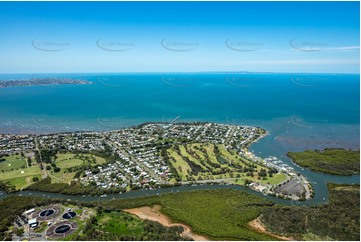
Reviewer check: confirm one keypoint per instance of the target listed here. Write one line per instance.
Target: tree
(262, 173)
(19, 232)
(247, 182)
(249, 174)
(95, 170)
(29, 161)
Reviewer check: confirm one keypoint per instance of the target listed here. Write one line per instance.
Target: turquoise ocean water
(299, 110)
(302, 109)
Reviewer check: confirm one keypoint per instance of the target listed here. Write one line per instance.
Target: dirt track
(154, 214)
(258, 226)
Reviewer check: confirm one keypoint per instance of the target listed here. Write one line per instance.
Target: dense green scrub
(332, 161)
(219, 214)
(338, 220)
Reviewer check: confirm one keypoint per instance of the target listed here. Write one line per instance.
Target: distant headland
(43, 82)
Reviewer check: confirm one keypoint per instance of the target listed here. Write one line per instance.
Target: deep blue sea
(300, 111)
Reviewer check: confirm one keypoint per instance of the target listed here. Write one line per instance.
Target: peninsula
(42, 82)
(147, 156)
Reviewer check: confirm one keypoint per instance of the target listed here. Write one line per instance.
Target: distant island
(331, 161)
(42, 82)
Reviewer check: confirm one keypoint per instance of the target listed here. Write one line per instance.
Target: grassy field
(218, 214)
(209, 154)
(69, 160)
(193, 159)
(276, 179)
(332, 161)
(22, 177)
(61, 177)
(208, 162)
(119, 223)
(119, 226)
(179, 164)
(234, 158)
(12, 162)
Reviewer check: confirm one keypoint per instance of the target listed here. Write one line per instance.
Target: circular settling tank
(69, 215)
(62, 229)
(47, 212)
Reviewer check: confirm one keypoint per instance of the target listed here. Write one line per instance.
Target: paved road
(41, 159)
(140, 164)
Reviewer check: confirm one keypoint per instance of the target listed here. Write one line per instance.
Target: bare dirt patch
(154, 214)
(257, 225)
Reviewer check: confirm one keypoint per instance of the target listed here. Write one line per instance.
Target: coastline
(260, 137)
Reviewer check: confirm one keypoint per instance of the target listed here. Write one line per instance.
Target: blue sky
(56, 37)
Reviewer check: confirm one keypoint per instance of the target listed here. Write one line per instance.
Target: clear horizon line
(174, 72)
